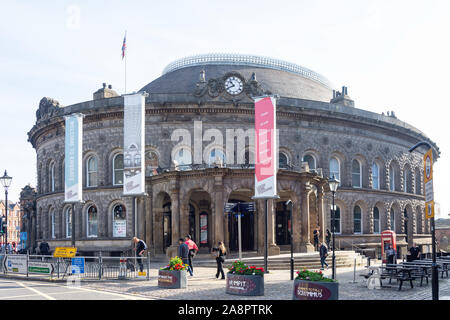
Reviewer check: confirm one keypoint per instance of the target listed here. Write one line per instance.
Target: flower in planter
(175, 264)
(239, 267)
(312, 276)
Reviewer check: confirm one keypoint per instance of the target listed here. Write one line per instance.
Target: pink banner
(265, 149)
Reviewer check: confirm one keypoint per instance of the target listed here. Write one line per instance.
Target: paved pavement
(204, 285)
(37, 290)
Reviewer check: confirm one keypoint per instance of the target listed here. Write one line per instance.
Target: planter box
(245, 285)
(314, 290)
(172, 279)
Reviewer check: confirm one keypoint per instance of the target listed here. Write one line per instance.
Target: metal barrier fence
(95, 268)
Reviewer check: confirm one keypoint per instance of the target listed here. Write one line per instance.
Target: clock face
(234, 85)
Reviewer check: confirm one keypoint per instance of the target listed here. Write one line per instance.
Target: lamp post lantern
(6, 182)
(334, 184)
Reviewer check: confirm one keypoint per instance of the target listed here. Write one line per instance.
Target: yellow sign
(64, 252)
(428, 166)
(429, 209)
(428, 183)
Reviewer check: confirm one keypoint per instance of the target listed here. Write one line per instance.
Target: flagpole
(125, 56)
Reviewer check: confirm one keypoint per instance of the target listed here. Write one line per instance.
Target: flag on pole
(124, 45)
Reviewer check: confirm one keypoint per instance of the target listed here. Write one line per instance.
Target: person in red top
(193, 249)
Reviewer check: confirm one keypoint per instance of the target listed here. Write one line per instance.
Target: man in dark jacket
(415, 250)
(44, 248)
(183, 253)
(140, 248)
(323, 251)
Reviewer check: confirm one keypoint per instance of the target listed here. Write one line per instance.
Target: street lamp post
(6, 182)
(434, 267)
(334, 183)
(289, 205)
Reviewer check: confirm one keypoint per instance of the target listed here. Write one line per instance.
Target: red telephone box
(388, 238)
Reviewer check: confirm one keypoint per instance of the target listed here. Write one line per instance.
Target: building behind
(321, 134)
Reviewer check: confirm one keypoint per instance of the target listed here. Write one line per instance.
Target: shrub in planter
(173, 276)
(245, 280)
(312, 285)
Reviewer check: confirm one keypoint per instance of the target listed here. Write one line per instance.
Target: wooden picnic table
(400, 273)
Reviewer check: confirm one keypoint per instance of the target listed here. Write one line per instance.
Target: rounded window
(119, 220)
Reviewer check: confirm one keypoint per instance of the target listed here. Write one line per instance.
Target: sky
(392, 55)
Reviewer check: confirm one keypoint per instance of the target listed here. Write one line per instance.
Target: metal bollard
(148, 265)
(100, 263)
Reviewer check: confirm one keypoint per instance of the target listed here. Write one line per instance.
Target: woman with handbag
(219, 252)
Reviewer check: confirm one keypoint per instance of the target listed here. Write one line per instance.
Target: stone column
(273, 249)
(388, 218)
(184, 219)
(149, 226)
(305, 243)
(321, 213)
(218, 214)
(370, 222)
(174, 196)
(296, 221)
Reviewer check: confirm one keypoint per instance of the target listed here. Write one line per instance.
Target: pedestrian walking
(323, 252)
(328, 238)
(141, 246)
(316, 238)
(193, 250)
(220, 252)
(415, 250)
(183, 253)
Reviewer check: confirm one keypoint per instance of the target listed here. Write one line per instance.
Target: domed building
(210, 99)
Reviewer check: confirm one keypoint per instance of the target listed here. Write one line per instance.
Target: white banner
(73, 158)
(134, 144)
(265, 148)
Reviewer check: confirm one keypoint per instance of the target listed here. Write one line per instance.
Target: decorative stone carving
(48, 108)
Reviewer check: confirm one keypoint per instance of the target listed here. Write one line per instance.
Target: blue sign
(242, 207)
(23, 236)
(77, 265)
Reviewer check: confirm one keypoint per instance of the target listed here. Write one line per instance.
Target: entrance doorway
(283, 224)
(167, 226)
(247, 223)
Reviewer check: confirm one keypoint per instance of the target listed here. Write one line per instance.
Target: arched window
(375, 176)
(91, 172)
(376, 220)
(356, 174)
(52, 223)
(52, 176)
(357, 220)
(184, 158)
(335, 169)
(391, 178)
(92, 221)
(311, 161)
(216, 157)
(282, 160)
(392, 219)
(337, 219)
(418, 182)
(151, 163)
(405, 180)
(118, 169)
(68, 217)
(249, 159)
(119, 221)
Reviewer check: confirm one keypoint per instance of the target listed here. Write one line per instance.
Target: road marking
(36, 291)
(33, 295)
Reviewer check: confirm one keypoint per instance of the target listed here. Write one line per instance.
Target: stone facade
(176, 200)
